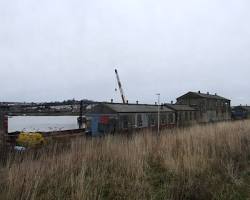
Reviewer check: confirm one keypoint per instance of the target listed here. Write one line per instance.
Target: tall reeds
(201, 162)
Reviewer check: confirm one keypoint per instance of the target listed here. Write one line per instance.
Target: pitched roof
(247, 108)
(179, 107)
(203, 95)
(136, 108)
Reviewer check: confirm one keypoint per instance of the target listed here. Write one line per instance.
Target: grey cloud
(54, 50)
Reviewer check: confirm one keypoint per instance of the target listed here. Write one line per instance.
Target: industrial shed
(111, 117)
(184, 114)
(241, 112)
(211, 107)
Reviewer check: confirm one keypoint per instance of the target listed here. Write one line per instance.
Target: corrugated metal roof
(203, 95)
(179, 107)
(136, 108)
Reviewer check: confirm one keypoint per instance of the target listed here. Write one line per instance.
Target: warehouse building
(211, 108)
(185, 115)
(241, 112)
(111, 117)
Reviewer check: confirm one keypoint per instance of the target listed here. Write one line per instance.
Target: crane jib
(120, 86)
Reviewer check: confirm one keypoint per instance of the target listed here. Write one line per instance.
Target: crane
(120, 87)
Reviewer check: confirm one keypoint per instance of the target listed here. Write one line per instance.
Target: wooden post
(3, 128)
(2, 137)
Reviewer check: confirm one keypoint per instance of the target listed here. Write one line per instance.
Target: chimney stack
(172, 102)
(207, 93)
(112, 100)
(137, 102)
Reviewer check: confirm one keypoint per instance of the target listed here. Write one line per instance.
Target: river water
(41, 123)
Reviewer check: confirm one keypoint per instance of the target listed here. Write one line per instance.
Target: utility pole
(158, 127)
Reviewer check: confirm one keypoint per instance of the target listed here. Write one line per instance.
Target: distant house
(110, 117)
(241, 112)
(184, 114)
(211, 108)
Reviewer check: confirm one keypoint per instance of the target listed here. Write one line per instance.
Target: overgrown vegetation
(202, 162)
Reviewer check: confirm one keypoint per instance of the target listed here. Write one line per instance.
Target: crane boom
(120, 87)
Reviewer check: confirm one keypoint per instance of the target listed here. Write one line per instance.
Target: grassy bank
(208, 162)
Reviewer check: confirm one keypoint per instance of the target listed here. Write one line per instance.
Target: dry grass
(202, 162)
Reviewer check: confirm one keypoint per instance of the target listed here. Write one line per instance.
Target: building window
(186, 115)
(227, 106)
(224, 107)
(132, 121)
(163, 119)
(195, 115)
(139, 120)
(203, 106)
(191, 116)
(171, 118)
(152, 122)
(180, 116)
(125, 122)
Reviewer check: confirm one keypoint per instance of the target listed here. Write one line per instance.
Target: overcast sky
(62, 49)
